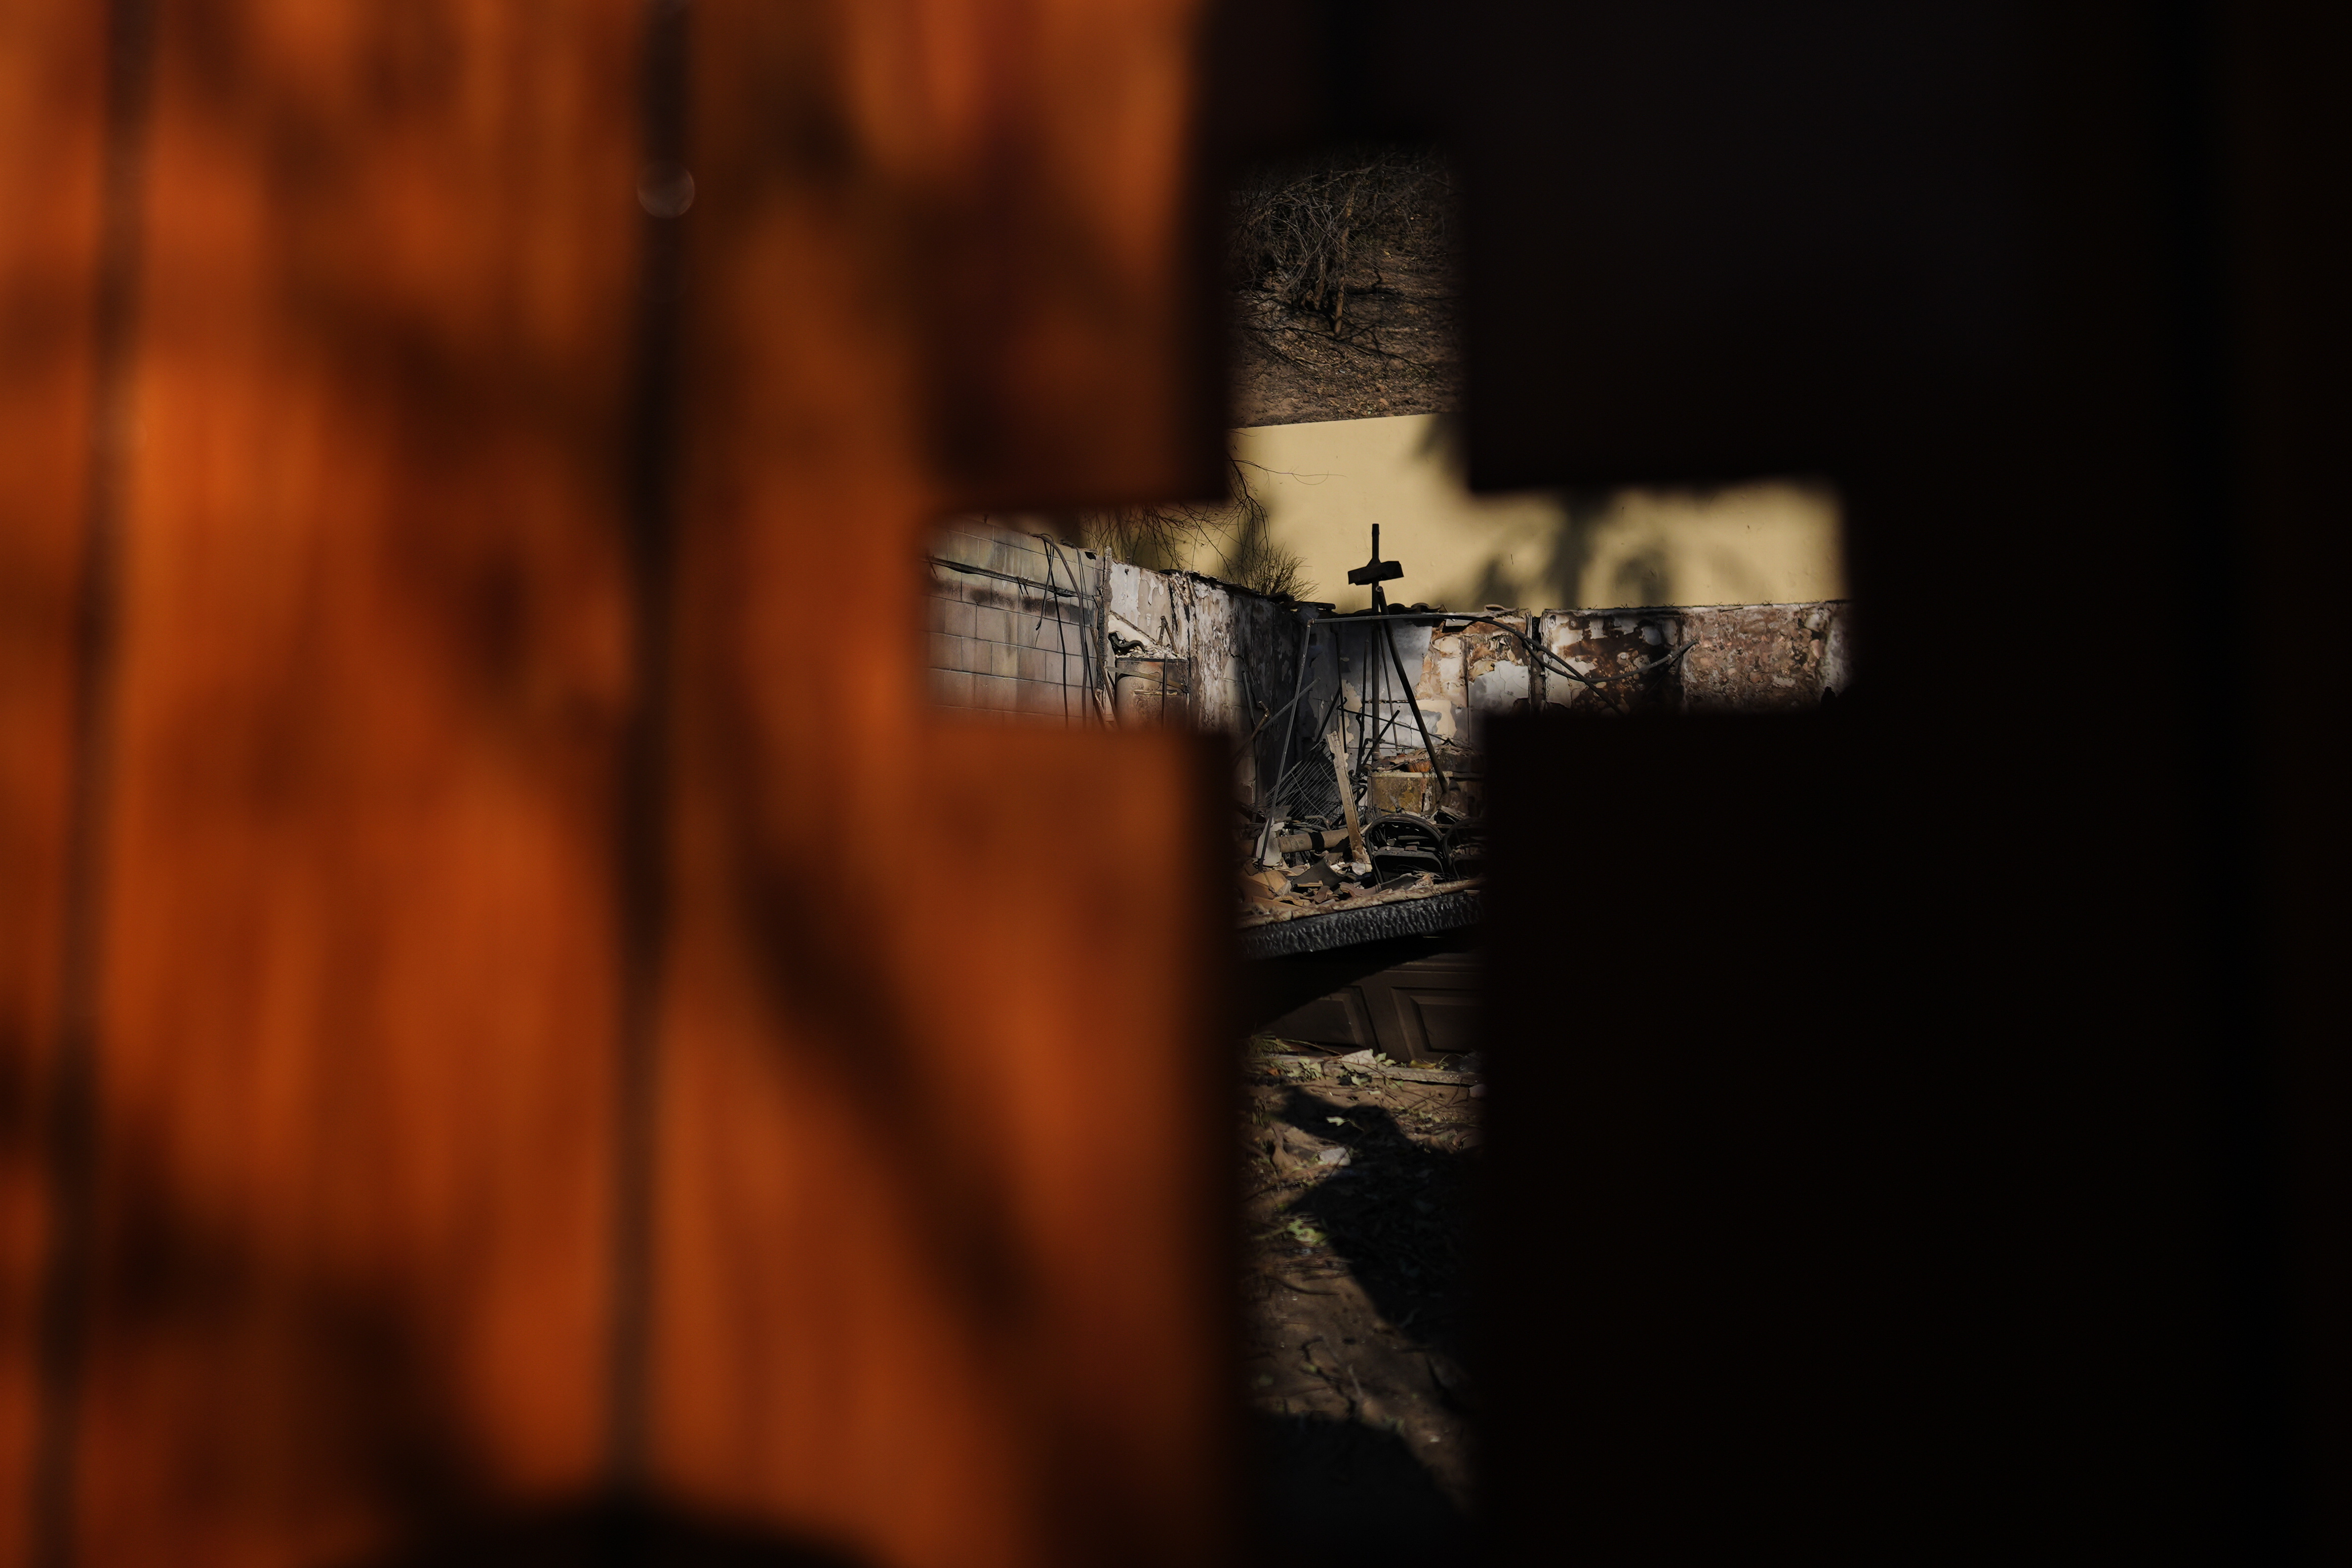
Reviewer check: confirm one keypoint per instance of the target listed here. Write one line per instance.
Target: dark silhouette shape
(1398, 1217)
(1327, 1491)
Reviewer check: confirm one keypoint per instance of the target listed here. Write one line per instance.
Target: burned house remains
(1358, 776)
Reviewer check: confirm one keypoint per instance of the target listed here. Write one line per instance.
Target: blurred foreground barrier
(517, 1026)
(1928, 1141)
(519, 1034)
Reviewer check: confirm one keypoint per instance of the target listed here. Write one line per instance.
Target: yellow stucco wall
(1324, 484)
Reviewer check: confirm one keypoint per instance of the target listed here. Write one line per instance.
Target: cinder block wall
(1002, 648)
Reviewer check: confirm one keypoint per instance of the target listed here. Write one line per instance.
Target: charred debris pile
(1369, 806)
(1374, 822)
(1377, 807)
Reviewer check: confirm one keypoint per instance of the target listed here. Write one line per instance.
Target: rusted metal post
(1535, 660)
(1267, 853)
(1348, 799)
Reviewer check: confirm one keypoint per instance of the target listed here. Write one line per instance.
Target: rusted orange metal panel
(357, 931)
(936, 1245)
(495, 781)
(978, 206)
(52, 136)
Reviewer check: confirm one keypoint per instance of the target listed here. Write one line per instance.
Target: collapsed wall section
(1011, 624)
(1023, 625)
(1463, 668)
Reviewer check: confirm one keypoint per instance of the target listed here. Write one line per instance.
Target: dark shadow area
(1398, 1216)
(1266, 988)
(612, 1532)
(1338, 1491)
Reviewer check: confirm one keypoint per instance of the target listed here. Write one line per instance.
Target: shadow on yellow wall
(1324, 485)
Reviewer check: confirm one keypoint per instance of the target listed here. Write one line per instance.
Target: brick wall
(1000, 646)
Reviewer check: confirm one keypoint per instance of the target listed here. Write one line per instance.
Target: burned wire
(1552, 661)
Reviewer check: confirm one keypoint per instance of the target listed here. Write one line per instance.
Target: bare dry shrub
(1307, 234)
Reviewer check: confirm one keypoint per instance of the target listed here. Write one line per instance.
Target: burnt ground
(1397, 348)
(1397, 351)
(1355, 1292)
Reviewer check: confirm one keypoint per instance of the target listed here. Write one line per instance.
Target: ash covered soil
(1357, 1207)
(1396, 348)
(1345, 297)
